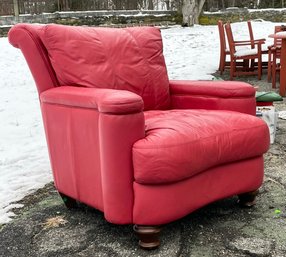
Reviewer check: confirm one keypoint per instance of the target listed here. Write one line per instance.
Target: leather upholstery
(124, 139)
(103, 100)
(137, 65)
(168, 202)
(218, 95)
(182, 143)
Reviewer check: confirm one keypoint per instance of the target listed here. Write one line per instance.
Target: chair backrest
(222, 38)
(27, 38)
(230, 39)
(125, 59)
(250, 31)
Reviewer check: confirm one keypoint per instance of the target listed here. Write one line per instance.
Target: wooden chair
(274, 57)
(223, 49)
(245, 55)
(264, 48)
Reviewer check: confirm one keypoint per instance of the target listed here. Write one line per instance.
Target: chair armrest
(104, 100)
(261, 40)
(246, 43)
(213, 95)
(94, 129)
(274, 48)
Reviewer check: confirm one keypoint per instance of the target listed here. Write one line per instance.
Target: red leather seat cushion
(182, 143)
(127, 59)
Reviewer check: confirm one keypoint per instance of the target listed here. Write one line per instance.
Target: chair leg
(232, 69)
(148, 236)
(69, 202)
(252, 64)
(273, 72)
(247, 200)
(245, 65)
(222, 64)
(269, 66)
(259, 67)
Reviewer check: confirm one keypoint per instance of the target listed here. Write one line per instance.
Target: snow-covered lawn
(24, 163)
(191, 53)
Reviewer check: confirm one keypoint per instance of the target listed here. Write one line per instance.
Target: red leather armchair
(124, 139)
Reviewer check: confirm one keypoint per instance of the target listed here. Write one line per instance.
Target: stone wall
(129, 18)
(94, 18)
(4, 31)
(236, 14)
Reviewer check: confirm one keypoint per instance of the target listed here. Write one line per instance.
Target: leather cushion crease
(182, 143)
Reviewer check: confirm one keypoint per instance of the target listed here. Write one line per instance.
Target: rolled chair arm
(104, 100)
(213, 95)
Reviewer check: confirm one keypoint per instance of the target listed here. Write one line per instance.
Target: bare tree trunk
(64, 5)
(209, 5)
(222, 4)
(200, 5)
(196, 13)
(16, 8)
(167, 4)
(187, 11)
(191, 10)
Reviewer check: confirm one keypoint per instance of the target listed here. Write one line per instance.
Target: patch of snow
(188, 52)
(140, 14)
(268, 9)
(244, 52)
(161, 15)
(217, 12)
(24, 161)
(282, 33)
(236, 9)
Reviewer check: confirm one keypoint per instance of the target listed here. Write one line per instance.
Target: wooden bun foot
(69, 202)
(148, 236)
(247, 200)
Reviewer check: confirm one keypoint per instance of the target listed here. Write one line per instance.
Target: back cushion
(127, 59)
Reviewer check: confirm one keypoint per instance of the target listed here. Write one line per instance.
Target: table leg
(283, 68)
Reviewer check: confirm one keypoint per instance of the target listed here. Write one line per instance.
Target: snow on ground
(191, 53)
(185, 49)
(24, 163)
